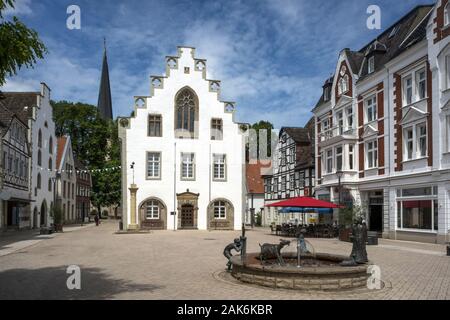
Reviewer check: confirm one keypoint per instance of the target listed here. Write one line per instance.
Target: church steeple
(104, 96)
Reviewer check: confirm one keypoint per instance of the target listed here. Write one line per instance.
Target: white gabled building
(187, 153)
(35, 110)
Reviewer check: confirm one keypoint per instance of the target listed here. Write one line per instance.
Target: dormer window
(326, 94)
(371, 65)
(447, 15)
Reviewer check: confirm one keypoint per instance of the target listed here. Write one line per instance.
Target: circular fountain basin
(319, 272)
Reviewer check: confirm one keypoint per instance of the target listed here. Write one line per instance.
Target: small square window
(186, 70)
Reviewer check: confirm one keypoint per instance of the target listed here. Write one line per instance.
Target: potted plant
(57, 215)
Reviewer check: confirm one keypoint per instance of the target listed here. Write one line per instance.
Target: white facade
(400, 169)
(43, 160)
(200, 200)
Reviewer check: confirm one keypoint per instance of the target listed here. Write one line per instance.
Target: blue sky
(271, 55)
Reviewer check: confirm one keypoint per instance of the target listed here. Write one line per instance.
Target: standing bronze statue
(359, 239)
(237, 246)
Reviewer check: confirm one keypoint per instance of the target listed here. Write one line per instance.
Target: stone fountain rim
(307, 270)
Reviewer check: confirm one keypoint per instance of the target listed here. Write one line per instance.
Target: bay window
(372, 154)
(340, 121)
(339, 158)
(349, 118)
(329, 161)
(351, 157)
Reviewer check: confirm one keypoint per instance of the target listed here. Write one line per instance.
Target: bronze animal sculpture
(273, 251)
(237, 246)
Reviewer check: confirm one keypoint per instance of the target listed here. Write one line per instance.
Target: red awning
(304, 202)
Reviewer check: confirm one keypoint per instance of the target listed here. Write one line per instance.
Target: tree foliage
(95, 143)
(19, 45)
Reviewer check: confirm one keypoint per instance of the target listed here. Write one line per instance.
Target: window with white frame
(421, 83)
(340, 121)
(351, 157)
(446, 15)
(371, 65)
(153, 165)
(188, 166)
(422, 140)
(329, 161)
(220, 210)
(448, 133)
(219, 167)
(409, 143)
(371, 109)
(447, 71)
(415, 86)
(325, 124)
(152, 210)
(339, 155)
(407, 90)
(415, 141)
(349, 112)
(372, 154)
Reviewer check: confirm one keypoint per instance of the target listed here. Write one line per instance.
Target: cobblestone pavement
(190, 265)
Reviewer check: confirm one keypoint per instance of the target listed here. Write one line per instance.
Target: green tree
(19, 45)
(96, 144)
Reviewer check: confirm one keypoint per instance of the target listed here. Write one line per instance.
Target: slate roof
(21, 103)
(409, 30)
(299, 135)
(6, 116)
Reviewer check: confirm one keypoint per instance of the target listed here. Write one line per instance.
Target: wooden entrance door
(187, 216)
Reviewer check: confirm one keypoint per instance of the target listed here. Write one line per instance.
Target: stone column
(133, 191)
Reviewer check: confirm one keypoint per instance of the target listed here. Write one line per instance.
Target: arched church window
(186, 111)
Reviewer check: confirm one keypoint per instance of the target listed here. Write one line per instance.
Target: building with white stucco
(182, 153)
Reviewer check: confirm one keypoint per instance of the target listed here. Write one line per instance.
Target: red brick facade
(440, 32)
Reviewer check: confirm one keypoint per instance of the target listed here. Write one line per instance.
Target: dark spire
(104, 96)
